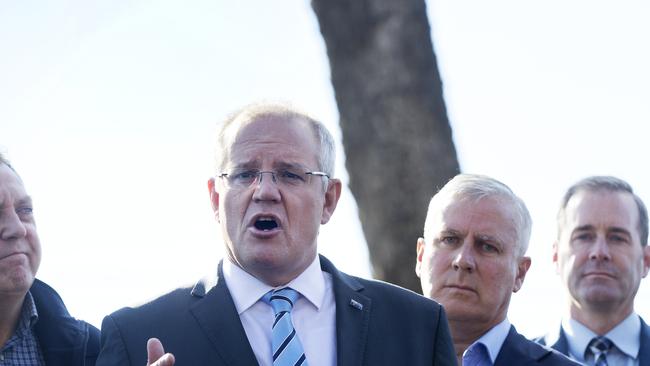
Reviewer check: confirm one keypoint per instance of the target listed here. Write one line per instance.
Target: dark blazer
(64, 340)
(517, 350)
(376, 324)
(557, 340)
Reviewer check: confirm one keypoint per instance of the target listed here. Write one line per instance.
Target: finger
(166, 360)
(156, 354)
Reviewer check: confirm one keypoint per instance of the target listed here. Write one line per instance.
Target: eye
(449, 240)
(617, 238)
(488, 248)
(26, 211)
(243, 176)
(287, 176)
(583, 236)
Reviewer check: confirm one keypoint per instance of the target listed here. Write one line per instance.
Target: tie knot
(282, 299)
(600, 345)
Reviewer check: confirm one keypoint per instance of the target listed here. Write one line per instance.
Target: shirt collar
(626, 336)
(28, 315)
(246, 290)
(494, 338)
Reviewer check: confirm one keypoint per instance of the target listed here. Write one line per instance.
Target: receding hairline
(228, 129)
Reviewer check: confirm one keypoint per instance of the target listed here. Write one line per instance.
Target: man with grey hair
(35, 326)
(275, 301)
(471, 260)
(601, 254)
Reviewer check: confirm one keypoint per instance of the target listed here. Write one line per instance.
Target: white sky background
(107, 110)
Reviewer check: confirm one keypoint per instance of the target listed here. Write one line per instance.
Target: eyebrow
(280, 165)
(614, 229)
(619, 230)
(584, 228)
(27, 200)
(485, 237)
(449, 232)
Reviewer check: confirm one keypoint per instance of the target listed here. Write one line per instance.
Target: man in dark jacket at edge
(35, 326)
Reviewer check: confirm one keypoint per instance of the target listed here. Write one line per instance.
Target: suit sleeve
(443, 348)
(113, 349)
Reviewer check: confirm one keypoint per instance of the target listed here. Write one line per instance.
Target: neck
(10, 308)
(464, 333)
(600, 322)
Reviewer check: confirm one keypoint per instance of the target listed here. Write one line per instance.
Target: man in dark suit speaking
(471, 260)
(275, 301)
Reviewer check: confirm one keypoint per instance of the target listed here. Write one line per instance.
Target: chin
(18, 282)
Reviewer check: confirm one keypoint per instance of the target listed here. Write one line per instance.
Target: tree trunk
(396, 135)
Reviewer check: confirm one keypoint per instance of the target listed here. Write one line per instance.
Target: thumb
(156, 354)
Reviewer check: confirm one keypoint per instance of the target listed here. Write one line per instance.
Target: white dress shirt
(493, 339)
(313, 315)
(626, 337)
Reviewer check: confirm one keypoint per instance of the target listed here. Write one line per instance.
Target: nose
(599, 251)
(464, 259)
(266, 189)
(11, 227)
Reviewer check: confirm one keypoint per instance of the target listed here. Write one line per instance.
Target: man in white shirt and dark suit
(275, 301)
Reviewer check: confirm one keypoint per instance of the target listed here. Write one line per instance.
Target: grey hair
(609, 184)
(255, 111)
(5, 161)
(476, 187)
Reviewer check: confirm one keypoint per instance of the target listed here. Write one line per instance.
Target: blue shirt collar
(494, 338)
(626, 336)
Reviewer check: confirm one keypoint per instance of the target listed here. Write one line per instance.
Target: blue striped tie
(599, 346)
(287, 350)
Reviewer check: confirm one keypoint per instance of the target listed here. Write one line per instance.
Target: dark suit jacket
(557, 340)
(517, 350)
(64, 340)
(376, 324)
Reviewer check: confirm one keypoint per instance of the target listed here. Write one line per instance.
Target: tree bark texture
(396, 134)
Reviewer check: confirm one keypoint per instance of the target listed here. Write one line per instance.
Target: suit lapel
(557, 340)
(352, 316)
(644, 349)
(517, 350)
(217, 317)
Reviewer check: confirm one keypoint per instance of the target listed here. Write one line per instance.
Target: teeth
(266, 223)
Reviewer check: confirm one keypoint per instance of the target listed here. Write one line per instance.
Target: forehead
(491, 216)
(11, 187)
(275, 139)
(602, 209)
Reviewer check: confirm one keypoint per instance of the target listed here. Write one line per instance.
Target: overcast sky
(107, 110)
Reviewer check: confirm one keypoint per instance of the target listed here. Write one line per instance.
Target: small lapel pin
(355, 304)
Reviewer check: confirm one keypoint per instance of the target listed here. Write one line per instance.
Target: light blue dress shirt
(493, 339)
(626, 337)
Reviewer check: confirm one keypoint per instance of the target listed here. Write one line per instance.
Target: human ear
(214, 197)
(522, 269)
(332, 195)
(419, 249)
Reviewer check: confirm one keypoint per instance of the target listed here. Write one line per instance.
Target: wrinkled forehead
(491, 212)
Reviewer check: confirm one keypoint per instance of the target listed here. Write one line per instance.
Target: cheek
(567, 261)
(436, 265)
(35, 248)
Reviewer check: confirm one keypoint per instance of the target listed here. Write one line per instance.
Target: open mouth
(266, 224)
